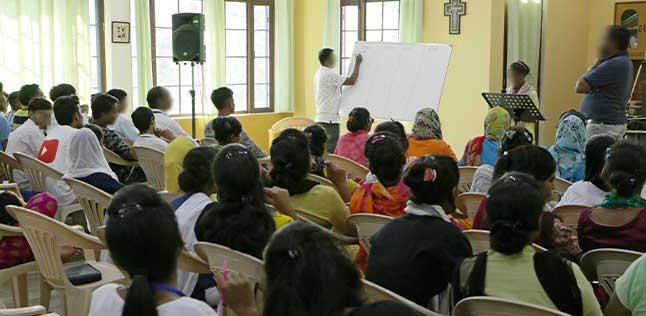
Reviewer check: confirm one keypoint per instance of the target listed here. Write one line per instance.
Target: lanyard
(167, 288)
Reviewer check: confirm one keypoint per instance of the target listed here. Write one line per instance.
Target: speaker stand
(192, 93)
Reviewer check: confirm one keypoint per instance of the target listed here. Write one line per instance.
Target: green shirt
(631, 287)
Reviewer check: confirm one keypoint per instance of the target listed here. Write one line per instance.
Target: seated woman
(196, 181)
(620, 220)
(515, 206)
(173, 161)
(226, 130)
(483, 150)
(537, 162)
(88, 164)
(569, 148)
(427, 136)
(321, 204)
(630, 295)
(388, 195)
(318, 144)
(514, 137)
(593, 189)
(414, 255)
(144, 240)
(351, 144)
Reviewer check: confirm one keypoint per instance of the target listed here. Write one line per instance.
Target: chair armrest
(24, 311)
(7, 230)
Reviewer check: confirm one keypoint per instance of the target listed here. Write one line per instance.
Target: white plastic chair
(491, 306)
(466, 178)
(93, 200)
(17, 274)
(113, 158)
(569, 214)
(480, 241)
(7, 165)
(367, 226)
(375, 293)
(471, 202)
(26, 311)
(152, 162)
(290, 122)
(320, 180)
(355, 170)
(606, 265)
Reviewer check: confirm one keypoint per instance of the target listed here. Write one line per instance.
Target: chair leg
(19, 287)
(45, 293)
(64, 298)
(78, 301)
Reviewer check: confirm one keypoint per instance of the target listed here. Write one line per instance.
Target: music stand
(520, 106)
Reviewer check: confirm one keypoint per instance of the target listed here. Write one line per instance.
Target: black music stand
(520, 106)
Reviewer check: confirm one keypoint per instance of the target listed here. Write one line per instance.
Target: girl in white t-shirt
(144, 240)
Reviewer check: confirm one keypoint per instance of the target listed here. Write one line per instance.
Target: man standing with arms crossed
(327, 92)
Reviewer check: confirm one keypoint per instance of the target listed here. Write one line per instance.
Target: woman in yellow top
(173, 160)
(427, 136)
(321, 204)
(512, 269)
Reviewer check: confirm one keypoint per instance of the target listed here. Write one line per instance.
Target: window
(176, 78)
(249, 53)
(96, 42)
(367, 20)
(134, 97)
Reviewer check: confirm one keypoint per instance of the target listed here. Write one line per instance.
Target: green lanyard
(613, 201)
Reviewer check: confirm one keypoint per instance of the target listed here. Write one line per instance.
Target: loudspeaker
(188, 37)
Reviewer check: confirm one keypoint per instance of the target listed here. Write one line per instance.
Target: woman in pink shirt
(351, 145)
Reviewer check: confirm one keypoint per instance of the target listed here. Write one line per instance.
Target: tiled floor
(34, 294)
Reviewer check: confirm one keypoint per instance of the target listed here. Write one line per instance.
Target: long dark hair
(596, 150)
(144, 240)
(290, 157)
(307, 274)
(239, 220)
(529, 159)
(514, 206)
(196, 173)
(625, 168)
(385, 157)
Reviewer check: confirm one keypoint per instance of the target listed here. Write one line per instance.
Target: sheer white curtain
(524, 34)
(332, 26)
(45, 42)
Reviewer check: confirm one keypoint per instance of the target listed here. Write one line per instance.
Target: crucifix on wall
(455, 9)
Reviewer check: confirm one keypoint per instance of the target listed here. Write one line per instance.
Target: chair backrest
(561, 185)
(216, 255)
(489, 306)
(7, 165)
(466, 178)
(606, 265)
(190, 262)
(113, 158)
(479, 240)
(320, 180)
(569, 214)
(289, 122)
(93, 200)
(9, 231)
(152, 162)
(37, 172)
(45, 235)
(355, 170)
(367, 226)
(208, 141)
(167, 196)
(375, 293)
(471, 202)
(11, 187)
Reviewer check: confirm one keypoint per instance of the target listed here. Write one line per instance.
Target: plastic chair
(354, 169)
(466, 178)
(320, 180)
(208, 141)
(26, 311)
(7, 165)
(191, 262)
(480, 242)
(367, 226)
(37, 174)
(471, 202)
(606, 265)
(93, 200)
(17, 274)
(375, 293)
(561, 185)
(152, 162)
(569, 214)
(289, 122)
(113, 158)
(490, 306)
(44, 236)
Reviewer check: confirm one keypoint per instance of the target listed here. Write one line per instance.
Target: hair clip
(350, 119)
(125, 209)
(513, 179)
(505, 153)
(633, 182)
(377, 138)
(232, 154)
(293, 253)
(430, 175)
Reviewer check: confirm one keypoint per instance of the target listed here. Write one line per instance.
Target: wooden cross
(455, 9)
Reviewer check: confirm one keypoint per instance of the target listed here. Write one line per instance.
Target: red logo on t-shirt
(48, 151)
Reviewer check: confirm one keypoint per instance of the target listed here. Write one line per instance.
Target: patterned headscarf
(496, 123)
(427, 124)
(569, 149)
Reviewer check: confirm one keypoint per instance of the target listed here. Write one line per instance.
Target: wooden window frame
(251, 55)
(100, 33)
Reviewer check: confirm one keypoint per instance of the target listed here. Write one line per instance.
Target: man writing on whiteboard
(327, 92)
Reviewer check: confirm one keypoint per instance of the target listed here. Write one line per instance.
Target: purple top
(631, 236)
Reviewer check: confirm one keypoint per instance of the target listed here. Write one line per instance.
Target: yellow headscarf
(173, 159)
(497, 122)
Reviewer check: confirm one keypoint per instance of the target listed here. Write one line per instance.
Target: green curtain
(283, 55)
(332, 26)
(45, 42)
(411, 14)
(215, 38)
(524, 35)
(144, 52)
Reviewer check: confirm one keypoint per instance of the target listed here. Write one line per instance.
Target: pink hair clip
(430, 175)
(350, 119)
(377, 139)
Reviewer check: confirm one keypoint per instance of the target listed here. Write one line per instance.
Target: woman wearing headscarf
(483, 150)
(569, 148)
(88, 164)
(427, 136)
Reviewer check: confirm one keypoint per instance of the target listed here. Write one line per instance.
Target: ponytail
(140, 300)
(508, 237)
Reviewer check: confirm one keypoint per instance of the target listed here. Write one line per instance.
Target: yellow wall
(308, 38)
(256, 125)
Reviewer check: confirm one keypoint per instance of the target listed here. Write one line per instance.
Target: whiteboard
(396, 79)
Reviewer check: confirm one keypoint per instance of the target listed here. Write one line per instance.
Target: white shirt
(124, 127)
(107, 302)
(54, 152)
(163, 122)
(583, 193)
(25, 139)
(327, 93)
(151, 141)
(187, 215)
